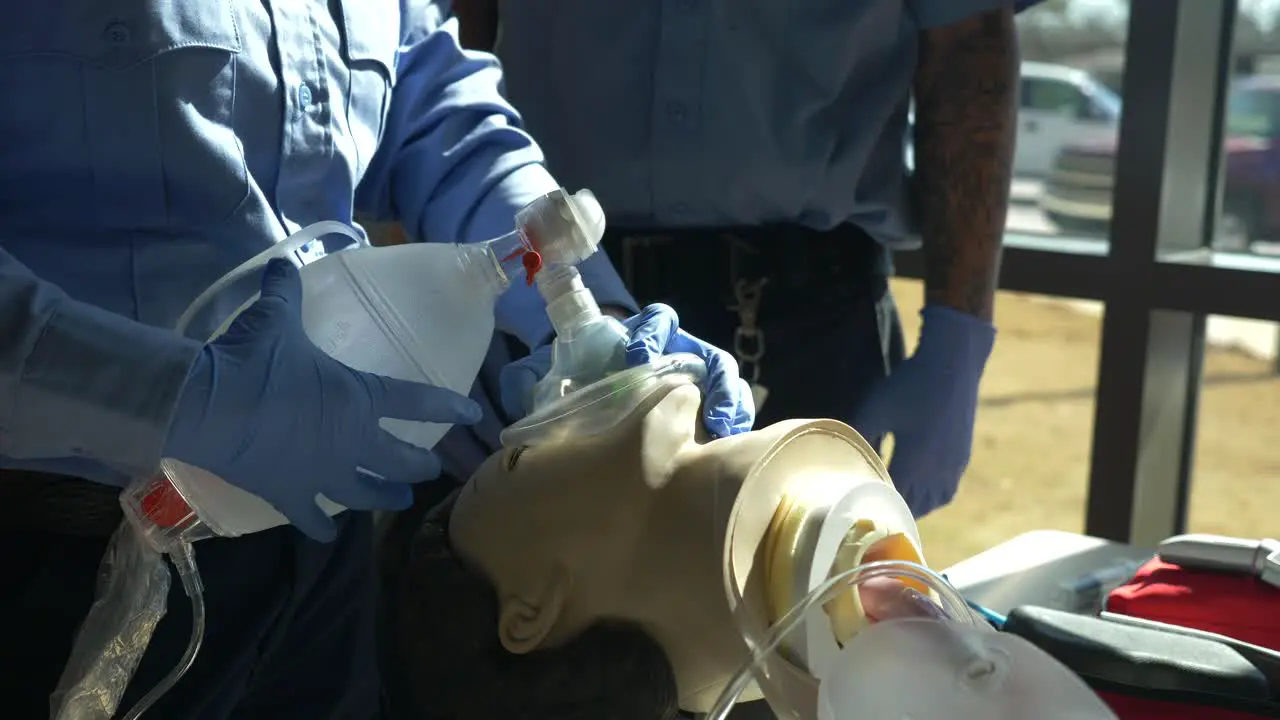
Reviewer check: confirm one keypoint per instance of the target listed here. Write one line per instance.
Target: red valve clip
(529, 256)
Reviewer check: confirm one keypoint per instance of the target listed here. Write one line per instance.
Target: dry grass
(1031, 450)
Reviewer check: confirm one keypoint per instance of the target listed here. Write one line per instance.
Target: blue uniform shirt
(691, 113)
(149, 146)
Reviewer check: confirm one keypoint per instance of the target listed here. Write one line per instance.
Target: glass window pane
(1249, 112)
(1052, 96)
(1249, 212)
(1235, 487)
(1073, 63)
(1030, 462)
(1250, 167)
(1236, 477)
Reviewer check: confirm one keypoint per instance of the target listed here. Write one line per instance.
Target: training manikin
(615, 575)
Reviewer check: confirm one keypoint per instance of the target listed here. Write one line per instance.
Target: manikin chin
(698, 543)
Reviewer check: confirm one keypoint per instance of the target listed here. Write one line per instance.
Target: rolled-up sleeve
(77, 381)
(455, 166)
(940, 13)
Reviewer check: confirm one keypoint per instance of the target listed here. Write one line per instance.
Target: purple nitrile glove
(728, 408)
(929, 403)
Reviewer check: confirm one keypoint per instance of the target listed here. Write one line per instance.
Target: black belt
(787, 254)
(42, 502)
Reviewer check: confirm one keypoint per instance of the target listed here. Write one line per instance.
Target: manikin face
(649, 522)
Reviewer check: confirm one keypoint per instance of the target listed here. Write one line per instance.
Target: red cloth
(1127, 707)
(1236, 605)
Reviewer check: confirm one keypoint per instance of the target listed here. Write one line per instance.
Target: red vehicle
(1077, 194)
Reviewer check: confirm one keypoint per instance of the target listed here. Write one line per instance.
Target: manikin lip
(886, 599)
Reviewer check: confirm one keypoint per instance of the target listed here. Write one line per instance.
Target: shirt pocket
(371, 30)
(126, 114)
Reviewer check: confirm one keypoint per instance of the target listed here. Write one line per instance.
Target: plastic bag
(131, 598)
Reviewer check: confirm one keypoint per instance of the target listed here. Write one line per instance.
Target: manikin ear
(526, 620)
(667, 427)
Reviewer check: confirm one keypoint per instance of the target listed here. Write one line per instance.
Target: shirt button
(304, 96)
(117, 33)
(677, 111)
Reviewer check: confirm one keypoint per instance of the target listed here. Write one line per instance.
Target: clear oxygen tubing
(181, 553)
(294, 242)
(184, 558)
(953, 604)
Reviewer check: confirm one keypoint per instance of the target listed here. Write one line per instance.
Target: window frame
(1162, 279)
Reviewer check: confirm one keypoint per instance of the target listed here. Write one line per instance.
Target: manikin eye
(513, 457)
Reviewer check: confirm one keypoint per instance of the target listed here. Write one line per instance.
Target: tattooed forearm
(966, 93)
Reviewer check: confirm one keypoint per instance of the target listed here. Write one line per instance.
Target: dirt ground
(1031, 448)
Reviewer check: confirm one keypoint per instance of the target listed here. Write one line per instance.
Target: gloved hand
(727, 405)
(268, 411)
(929, 403)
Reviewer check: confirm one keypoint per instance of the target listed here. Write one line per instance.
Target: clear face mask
(599, 406)
(922, 654)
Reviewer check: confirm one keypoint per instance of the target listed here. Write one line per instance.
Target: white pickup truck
(1059, 104)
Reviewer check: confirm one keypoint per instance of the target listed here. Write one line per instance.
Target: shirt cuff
(521, 311)
(98, 385)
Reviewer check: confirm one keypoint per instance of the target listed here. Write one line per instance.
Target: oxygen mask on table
(844, 621)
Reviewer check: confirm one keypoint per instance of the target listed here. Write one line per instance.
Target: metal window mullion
(1176, 60)
(1218, 290)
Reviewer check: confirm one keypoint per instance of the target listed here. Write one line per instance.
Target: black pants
(829, 324)
(290, 622)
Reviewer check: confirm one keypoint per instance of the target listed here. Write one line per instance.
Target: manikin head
(617, 575)
(649, 524)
